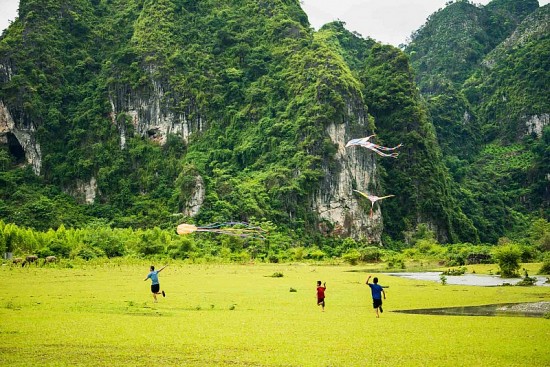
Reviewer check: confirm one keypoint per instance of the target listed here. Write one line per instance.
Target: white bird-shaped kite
(373, 199)
(365, 143)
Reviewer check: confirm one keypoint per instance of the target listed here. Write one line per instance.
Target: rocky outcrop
(86, 191)
(152, 114)
(20, 137)
(346, 212)
(198, 193)
(535, 124)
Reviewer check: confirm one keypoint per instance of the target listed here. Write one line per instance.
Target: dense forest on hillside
(139, 115)
(490, 107)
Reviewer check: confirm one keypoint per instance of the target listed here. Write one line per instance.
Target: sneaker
(381, 310)
(163, 294)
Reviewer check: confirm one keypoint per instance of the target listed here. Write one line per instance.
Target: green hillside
(150, 113)
(142, 114)
(490, 110)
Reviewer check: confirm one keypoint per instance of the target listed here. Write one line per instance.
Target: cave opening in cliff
(15, 148)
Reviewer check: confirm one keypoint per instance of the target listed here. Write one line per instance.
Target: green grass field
(238, 315)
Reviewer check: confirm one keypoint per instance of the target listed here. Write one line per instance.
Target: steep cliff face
(85, 192)
(535, 124)
(20, 134)
(21, 139)
(151, 115)
(335, 201)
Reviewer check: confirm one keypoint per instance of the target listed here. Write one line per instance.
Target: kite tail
(394, 155)
(387, 148)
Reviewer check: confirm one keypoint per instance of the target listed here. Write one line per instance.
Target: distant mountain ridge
(487, 91)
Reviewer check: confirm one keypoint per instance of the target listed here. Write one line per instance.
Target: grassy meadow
(239, 315)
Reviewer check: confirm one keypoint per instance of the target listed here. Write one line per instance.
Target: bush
(395, 262)
(241, 256)
(297, 253)
(316, 254)
(508, 258)
(425, 246)
(86, 252)
(352, 257)
(479, 258)
(150, 248)
(44, 252)
(272, 258)
(181, 248)
(529, 253)
(371, 254)
(545, 269)
(60, 248)
(455, 259)
(527, 280)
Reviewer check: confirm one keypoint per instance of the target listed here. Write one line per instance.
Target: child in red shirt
(321, 294)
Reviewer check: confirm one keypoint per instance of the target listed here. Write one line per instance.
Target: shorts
(320, 300)
(155, 288)
(376, 303)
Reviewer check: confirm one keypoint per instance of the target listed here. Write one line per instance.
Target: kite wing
(353, 142)
(372, 199)
(365, 195)
(387, 196)
(186, 229)
(360, 141)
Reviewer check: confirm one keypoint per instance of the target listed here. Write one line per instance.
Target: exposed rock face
(152, 114)
(197, 198)
(25, 136)
(535, 124)
(466, 118)
(87, 190)
(336, 202)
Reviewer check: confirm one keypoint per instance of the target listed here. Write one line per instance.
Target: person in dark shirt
(321, 294)
(377, 292)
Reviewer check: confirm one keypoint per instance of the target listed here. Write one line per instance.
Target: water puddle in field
(469, 279)
(534, 309)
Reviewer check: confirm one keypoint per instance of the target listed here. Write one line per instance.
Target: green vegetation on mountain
(252, 89)
(511, 85)
(456, 38)
(490, 110)
(418, 178)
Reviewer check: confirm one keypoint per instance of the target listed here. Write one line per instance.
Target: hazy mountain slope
(490, 117)
(455, 39)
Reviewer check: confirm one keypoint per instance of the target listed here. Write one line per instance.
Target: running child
(155, 285)
(377, 292)
(321, 294)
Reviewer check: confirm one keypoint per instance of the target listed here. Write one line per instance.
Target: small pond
(468, 279)
(532, 309)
